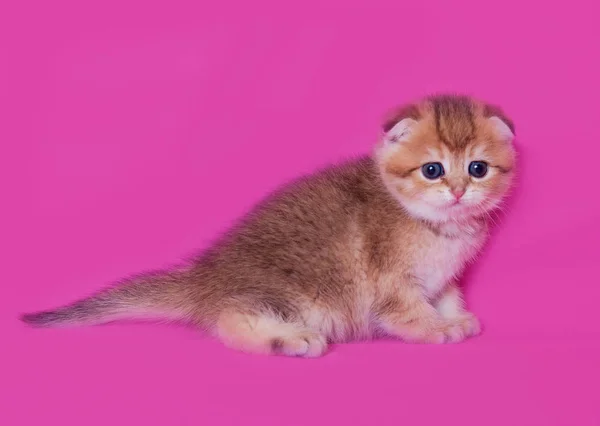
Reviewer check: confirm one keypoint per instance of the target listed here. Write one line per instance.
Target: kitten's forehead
(454, 120)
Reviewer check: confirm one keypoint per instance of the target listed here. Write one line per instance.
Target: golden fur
(355, 251)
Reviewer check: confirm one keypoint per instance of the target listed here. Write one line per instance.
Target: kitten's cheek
(409, 190)
(437, 199)
(474, 197)
(485, 201)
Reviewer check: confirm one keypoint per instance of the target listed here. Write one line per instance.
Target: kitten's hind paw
(263, 334)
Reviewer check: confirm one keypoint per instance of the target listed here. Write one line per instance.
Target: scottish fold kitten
(367, 248)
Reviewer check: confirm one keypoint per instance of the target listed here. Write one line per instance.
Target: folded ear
(503, 125)
(398, 114)
(401, 131)
(399, 123)
(502, 129)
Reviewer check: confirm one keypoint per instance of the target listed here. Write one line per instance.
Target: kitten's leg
(409, 316)
(451, 306)
(265, 334)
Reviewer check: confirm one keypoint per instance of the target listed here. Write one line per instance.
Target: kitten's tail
(156, 295)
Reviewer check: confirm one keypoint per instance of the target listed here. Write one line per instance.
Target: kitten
(372, 247)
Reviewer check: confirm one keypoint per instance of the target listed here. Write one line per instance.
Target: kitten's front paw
(304, 344)
(458, 329)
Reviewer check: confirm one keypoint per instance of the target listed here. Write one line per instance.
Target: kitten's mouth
(454, 204)
(457, 207)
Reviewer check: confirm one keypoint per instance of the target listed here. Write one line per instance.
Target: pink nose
(458, 192)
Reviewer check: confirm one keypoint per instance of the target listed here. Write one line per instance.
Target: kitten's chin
(424, 211)
(448, 213)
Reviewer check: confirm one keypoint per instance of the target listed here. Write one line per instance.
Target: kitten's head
(447, 157)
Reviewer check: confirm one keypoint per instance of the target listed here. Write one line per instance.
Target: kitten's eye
(432, 170)
(478, 169)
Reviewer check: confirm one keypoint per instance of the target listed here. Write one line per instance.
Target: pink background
(133, 132)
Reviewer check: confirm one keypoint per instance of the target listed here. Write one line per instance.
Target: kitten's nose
(458, 192)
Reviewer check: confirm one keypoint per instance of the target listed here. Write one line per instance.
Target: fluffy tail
(157, 295)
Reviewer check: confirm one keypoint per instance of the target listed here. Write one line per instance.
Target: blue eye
(478, 169)
(432, 170)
